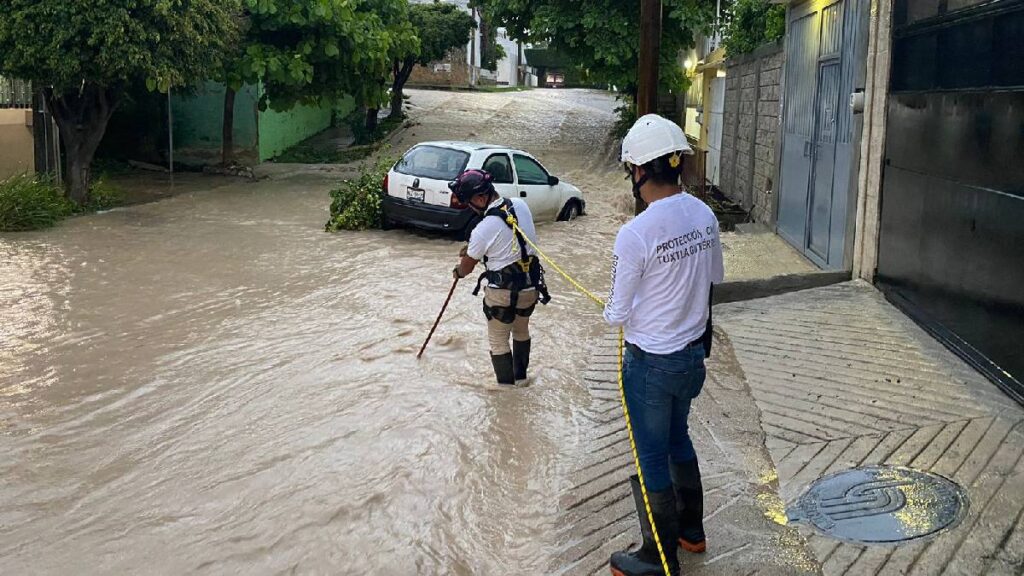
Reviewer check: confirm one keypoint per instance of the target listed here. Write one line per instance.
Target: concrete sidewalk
(800, 386)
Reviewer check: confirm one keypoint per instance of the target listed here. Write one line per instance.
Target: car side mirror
(553, 180)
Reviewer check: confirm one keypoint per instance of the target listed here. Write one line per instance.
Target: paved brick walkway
(800, 386)
(844, 379)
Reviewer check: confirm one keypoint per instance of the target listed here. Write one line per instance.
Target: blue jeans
(659, 390)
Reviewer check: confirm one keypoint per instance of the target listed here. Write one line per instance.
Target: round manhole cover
(881, 504)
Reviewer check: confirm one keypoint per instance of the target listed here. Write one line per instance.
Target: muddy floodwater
(211, 384)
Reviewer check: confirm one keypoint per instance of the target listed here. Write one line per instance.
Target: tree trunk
(402, 74)
(82, 117)
(371, 122)
(79, 174)
(227, 153)
(397, 101)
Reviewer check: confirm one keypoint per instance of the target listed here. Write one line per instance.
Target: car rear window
(433, 162)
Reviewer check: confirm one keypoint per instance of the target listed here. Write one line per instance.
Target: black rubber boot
(690, 505)
(503, 369)
(645, 561)
(520, 360)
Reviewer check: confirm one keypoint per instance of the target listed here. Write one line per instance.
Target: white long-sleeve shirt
(664, 264)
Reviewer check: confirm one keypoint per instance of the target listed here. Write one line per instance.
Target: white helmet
(651, 138)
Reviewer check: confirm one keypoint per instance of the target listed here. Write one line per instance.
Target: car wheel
(570, 212)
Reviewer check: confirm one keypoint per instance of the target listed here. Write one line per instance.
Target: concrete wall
(453, 70)
(508, 67)
(872, 155)
(17, 152)
(750, 131)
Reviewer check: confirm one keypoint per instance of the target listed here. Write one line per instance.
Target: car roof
(465, 146)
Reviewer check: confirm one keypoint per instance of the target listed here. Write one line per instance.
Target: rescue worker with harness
(514, 279)
(666, 261)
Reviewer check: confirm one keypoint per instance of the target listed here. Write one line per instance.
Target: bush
(31, 203)
(627, 117)
(358, 203)
(753, 23)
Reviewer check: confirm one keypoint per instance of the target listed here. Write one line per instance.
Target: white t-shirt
(664, 263)
(494, 239)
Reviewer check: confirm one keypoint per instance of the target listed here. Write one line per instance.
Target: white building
(508, 68)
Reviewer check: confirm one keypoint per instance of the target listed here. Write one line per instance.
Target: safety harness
(516, 277)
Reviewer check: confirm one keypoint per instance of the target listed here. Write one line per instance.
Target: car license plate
(414, 194)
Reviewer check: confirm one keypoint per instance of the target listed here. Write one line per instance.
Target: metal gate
(952, 212)
(817, 150)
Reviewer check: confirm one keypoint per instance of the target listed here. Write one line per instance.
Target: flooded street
(211, 384)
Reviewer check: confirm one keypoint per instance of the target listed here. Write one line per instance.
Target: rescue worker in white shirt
(665, 264)
(514, 277)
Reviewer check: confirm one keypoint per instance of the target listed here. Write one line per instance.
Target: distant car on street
(417, 191)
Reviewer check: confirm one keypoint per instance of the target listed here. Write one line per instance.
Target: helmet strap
(638, 184)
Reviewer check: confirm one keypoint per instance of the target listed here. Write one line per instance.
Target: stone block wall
(750, 130)
(453, 70)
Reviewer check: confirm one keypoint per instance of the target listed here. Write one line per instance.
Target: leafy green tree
(316, 51)
(490, 51)
(440, 27)
(602, 36)
(83, 56)
(752, 23)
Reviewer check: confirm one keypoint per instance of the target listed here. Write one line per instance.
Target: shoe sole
(693, 547)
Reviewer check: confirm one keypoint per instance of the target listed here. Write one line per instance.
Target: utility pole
(647, 75)
(650, 49)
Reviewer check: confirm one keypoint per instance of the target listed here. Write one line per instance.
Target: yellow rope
(622, 389)
(570, 279)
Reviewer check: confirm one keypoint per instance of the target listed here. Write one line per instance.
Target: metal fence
(15, 93)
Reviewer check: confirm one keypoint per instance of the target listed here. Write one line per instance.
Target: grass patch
(102, 196)
(31, 203)
(305, 153)
(358, 203)
(319, 151)
(384, 129)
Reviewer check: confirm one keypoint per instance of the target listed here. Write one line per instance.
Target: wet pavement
(805, 386)
(842, 379)
(211, 384)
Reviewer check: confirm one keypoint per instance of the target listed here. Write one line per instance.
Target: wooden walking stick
(438, 321)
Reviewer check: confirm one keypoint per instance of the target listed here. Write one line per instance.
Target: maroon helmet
(470, 183)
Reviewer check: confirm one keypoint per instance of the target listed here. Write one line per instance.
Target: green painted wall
(280, 131)
(259, 136)
(198, 124)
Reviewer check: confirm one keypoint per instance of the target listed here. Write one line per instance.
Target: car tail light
(387, 180)
(456, 204)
